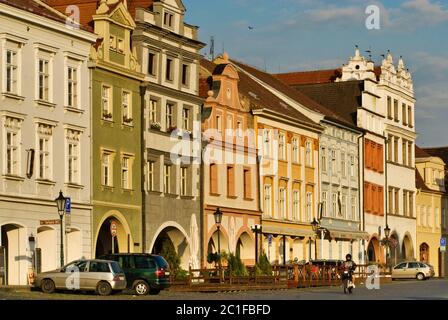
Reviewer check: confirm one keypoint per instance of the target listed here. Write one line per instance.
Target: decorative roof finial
(225, 57)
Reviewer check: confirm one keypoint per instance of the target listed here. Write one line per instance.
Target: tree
(263, 266)
(169, 253)
(236, 266)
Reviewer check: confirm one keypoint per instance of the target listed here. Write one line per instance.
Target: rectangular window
(410, 120)
(214, 178)
(239, 129)
(404, 150)
(218, 123)
(167, 178)
(405, 203)
(186, 119)
(324, 203)
(169, 70)
(43, 79)
(295, 205)
(267, 200)
(153, 111)
(390, 141)
(410, 148)
(352, 166)
(343, 165)
(230, 181)
(185, 74)
(73, 163)
(396, 110)
(169, 116)
(391, 203)
(334, 205)
(353, 209)
(126, 108)
(106, 169)
(295, 150)
(125, 173)
(281, 147)
(106, 103)
(12, 153)
(344, 207)
(152, 63)
(396, 142)
(247, 184)
(396, 200)
(389, 107)
(411, 204)
(267, 142)
(404, 114)
(120, 45)
(309, 206)
(72, 87)
(11, 71)
(168, 19)
(308, 154)
(151, 167)
(183, 181)
(334, 169)
(324, 159)
(282, 203)
(44, 158)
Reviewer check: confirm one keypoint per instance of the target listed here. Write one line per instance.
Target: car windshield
(116, 267)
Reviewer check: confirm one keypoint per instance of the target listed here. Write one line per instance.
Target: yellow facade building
(431, 202)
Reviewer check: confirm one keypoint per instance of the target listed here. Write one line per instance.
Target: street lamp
(218, 220)
(256, 229)
(316, 228)
(60, 202)
(387, 233)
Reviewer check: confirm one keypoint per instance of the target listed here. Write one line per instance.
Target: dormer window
(120, 45)
(168, 20)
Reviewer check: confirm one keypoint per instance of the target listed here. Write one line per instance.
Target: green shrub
(236, 267)
(263, 267)
(181, 275)
(169, 253)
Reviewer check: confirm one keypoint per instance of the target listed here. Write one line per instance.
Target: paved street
(434, 289)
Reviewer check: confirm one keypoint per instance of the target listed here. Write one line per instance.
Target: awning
(287, 231)
(348, 234)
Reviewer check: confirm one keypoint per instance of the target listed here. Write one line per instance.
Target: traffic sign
(68, 205)
(113, 229)
(270, 239)
(443, 242)
(442, 248)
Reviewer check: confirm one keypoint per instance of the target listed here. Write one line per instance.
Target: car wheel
(104, 288)
(48, 286)
(420, 276)
(141, 288)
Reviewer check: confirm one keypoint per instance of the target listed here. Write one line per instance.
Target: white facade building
(44, 140)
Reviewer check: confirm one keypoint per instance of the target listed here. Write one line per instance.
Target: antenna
(212, 47)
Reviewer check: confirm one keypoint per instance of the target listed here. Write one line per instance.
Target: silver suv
(101, 276)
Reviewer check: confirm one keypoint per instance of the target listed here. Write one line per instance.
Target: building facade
(168, 50)
(116, 132)
(430, 208)
(45, 138)
(230, 164)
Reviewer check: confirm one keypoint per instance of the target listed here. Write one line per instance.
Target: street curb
(16, 288)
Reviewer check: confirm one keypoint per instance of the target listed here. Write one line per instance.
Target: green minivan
(145, 273)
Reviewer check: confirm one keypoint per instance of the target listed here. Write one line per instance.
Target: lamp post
(218, 220)
(256, 229)
(386, 234)
(316, 227)
(60, 202)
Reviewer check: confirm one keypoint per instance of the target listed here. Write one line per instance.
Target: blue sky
(291, 35)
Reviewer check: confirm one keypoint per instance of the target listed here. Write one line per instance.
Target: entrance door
(15, 256)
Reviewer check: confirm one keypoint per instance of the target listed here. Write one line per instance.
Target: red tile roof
(259, 97)
(36, 8)
(88, 7)
(420, 153)
(315, 77)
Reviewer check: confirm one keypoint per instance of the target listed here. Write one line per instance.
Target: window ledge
(45, 103)
(232, 197)
(131, 191)
(126, 125)
(13, 177)
(107, 120)
(187, 197)
(214, 194)
(13, 96)
(248, 199)
(46, 181)
(154, 192)
(73, 109)
(171, 195)
(74, 185)
(107, 188)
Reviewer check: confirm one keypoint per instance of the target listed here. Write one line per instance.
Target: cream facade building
(44, 139)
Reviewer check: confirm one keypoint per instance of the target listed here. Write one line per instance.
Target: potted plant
(107, 115)
(127, 120)
(156, 126)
